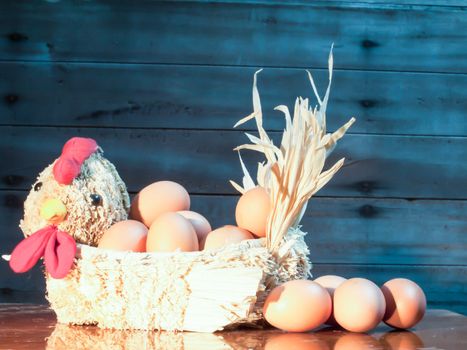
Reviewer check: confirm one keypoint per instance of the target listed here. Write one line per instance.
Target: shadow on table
(88, 337)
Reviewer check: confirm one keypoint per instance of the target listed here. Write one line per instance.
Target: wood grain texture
(34, 327)
(203, 160)
(201, 97)
(370, 231)
(176, 71)
(235, 34)
(340, 230)
(399, 4)
(8, 295)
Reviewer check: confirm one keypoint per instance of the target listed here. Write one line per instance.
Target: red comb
(75, 151)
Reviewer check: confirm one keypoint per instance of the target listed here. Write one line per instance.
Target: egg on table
(330, 282)
(159, 198)
(127, 235)
(297, 306)
(359, 305)
(172, 232)
(226, 235)
(405, 303)
(253, 210)
(200, 224)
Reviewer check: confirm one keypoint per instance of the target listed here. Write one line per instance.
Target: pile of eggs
(356, 304)
(160, 220)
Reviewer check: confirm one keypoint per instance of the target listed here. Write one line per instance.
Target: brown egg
(296, 341)
(158, 198)
(356, 341)
(330, 282)
(226, 235)
(297, 306)
(405, 303)
(171, 232)
(127, 235)
(200, 224)
(358, 305)
(252, 211)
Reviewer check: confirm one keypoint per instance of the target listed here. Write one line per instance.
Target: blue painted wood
(204, 51)
(200, 97)
(399, 4)
(203, 160)
(235, 34)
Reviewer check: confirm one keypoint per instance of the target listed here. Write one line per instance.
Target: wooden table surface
(24, 326)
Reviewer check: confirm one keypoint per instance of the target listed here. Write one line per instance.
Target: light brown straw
(292, 172)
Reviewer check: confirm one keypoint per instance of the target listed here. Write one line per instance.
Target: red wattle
(57, 247)
(59, 254)
(30, 250)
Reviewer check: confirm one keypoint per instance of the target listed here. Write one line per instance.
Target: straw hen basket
(208, 291)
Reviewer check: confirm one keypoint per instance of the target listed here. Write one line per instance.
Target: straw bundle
(211, 290)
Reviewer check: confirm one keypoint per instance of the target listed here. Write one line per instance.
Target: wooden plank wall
(160, 85)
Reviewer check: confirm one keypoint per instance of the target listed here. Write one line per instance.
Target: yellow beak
(53, 210)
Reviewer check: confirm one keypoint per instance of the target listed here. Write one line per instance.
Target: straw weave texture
(198, 291)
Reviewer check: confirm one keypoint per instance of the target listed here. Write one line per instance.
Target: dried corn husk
(293, 171)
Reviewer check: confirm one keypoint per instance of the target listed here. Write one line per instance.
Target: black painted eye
(96, 199)
(38, 186)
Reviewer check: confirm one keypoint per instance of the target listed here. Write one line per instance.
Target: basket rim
(255, 243)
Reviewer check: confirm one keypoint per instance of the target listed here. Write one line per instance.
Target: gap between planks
(214, 194)
(371, 4)
(236, 130)
(220, 65)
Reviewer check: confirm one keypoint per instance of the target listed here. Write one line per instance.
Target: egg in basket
(80, 197)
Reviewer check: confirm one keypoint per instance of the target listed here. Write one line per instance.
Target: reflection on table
(34, 327)
(77, 337)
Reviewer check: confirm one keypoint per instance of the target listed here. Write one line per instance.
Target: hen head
(80, 193)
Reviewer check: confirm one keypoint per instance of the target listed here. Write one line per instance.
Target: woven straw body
(196, 291)
(213, 290)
